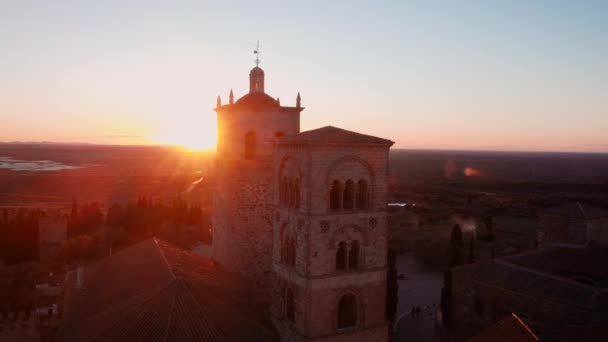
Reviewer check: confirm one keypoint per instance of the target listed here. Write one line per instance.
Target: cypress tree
(472, 249)
(392, 286)
(456, 252)
(446, 299)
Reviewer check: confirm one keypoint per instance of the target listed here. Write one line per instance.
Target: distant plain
(55, 174)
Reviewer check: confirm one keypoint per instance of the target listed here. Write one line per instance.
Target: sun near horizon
(196, 133)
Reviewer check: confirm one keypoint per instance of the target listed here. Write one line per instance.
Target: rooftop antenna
(257, 53)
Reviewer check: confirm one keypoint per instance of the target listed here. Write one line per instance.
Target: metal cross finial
(257, 53)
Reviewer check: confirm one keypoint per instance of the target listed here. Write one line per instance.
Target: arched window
(290, 311)
(341, 256)
(292, 252)
(285, 191)
(362, 195)
(282, 191)
(292, 193)
(250, 142)
(349, 195)
(297, 185)
(353, 255)
(335, 196)
(288, 251)
(347, 311)
(284, 250)
(287, 247)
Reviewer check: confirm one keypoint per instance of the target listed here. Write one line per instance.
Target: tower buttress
(242, 200)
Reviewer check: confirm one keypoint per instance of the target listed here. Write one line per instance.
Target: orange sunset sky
(512, 75)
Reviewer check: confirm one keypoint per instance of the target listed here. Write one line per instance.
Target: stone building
(248, 130)
(304, 213)
(514, 234)
(574, 223)
(401, 219)
(558, 291)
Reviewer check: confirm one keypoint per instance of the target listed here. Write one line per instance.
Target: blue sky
(510, 75)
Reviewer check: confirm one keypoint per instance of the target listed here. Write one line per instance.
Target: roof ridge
(580, 207)
(332, 134)
(162, 254)
(198, 301)
(524, 325)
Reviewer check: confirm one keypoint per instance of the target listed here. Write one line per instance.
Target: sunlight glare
(192, 132)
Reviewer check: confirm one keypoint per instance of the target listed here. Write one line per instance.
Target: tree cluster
(456, 247)
(92, 234)
(392, 286)
(19, 235)
(85, 219)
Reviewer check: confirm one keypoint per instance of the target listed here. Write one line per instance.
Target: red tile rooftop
(153, 291)
(589, 260)
(577, 210)
(334, 135)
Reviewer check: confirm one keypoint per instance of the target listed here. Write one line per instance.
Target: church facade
(303, 214)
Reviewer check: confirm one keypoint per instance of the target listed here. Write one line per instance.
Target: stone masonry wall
(316, 303)
(242, 222)
(243, 197)
(233, 125)
(315, 282)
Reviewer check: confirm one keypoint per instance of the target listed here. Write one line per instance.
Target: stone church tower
(248, 130)
(330, 236)
(304, 215)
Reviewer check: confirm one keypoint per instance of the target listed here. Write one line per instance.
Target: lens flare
(470, 172)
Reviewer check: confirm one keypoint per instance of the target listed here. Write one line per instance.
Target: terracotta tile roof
(567, 275)
(567, 333)
(509, 329)
(153, 291)
(333, 135)
(590, 260)
(536, 284)
(577, 210)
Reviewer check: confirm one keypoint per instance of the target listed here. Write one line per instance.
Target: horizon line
(212, 150)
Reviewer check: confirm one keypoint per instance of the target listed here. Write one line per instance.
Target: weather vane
(257, 53)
